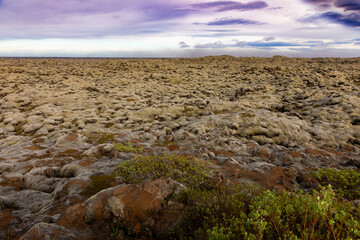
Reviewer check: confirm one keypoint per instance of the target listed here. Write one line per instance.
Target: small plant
(190, 172)
(127, 148)
(345, 182)
(115, 231)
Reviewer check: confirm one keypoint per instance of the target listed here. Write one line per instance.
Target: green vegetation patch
(190, 172)
(345, 182)
(127, 148)
(98, 137)
(98, 183)
(267, 215)
(211, 212)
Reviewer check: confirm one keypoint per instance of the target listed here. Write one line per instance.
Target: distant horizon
(179, 28)
(76, 57)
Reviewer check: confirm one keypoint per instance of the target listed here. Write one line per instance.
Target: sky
(179, 28)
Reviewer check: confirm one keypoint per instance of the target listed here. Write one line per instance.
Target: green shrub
(127, 148)
(190, 172)
(211, 214)
(345, 182)
(268, 215)
(242, 213)
(319, 215)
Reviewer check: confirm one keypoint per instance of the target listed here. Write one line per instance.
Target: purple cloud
(350, 20)
(91, 18)
(346, 5)
(229, 21)
(337, 11)
(222, 6)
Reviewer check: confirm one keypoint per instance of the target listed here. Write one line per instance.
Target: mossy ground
(99, 137)
(98, 183)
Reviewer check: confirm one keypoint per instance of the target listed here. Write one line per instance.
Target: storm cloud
(350, 20)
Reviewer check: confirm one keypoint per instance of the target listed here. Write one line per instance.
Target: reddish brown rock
(313, 151)
(46, 231)
(15, 181)
(7, 231)
(172, 147)
(294, 154)
(6, 217)
(333, 151)
(137, 207)
(73, 217)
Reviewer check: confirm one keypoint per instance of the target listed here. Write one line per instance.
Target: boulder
(71, 141)
(136, 207)
(139, 209)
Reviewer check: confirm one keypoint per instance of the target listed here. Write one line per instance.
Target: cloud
(344, 12)
(267, 39)
(222, 6)
(272, 44)
(346, 5)
(350, 20)
(36, 19)
(217, 44)
(230, 21)
(183, 45)
(256, 44)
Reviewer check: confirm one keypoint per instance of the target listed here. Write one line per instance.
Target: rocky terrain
(258, 121)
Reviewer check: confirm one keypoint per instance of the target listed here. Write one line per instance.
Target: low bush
(192, 173)
(127, 148)
(346, 183)
(268, 215)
